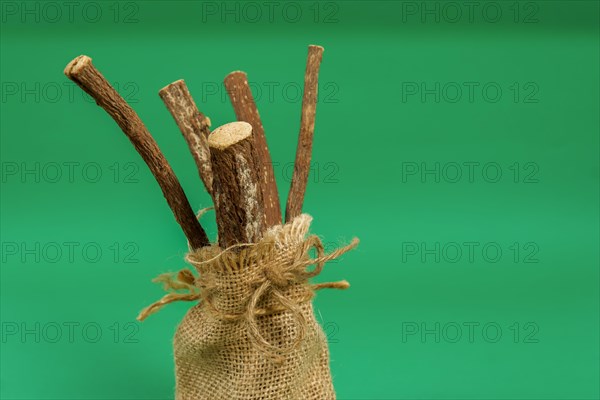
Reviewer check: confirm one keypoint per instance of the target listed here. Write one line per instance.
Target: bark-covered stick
(305, 139)
(194, 126)
(236, 192)
(245, 109)
(83, 73)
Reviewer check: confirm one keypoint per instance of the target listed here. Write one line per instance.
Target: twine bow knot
(277, 276)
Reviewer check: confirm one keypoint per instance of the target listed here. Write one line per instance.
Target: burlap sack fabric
(253, 335)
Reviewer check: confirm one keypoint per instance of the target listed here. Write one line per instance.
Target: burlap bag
(253, 335)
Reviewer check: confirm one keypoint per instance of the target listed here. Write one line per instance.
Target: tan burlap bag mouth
(253, 334)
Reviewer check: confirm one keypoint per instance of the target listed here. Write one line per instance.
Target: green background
(369, 133)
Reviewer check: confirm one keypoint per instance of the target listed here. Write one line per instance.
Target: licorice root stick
(83, 73)
(193, 125)
(236, 192)
(245, 109)
(305, 139)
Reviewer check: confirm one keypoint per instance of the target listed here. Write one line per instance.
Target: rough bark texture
(305, 139)
(236, 192)
(194, 126)
(83, 73)
(245, 109)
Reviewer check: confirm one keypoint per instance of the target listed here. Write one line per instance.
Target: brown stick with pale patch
(237, 197)
(245, 109)
(194, 126)
(305, 139)
(83, 73)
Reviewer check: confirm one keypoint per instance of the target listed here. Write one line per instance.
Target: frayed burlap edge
(283, 255)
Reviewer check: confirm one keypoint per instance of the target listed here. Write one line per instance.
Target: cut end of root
(77, 65)
(229, 134)
(316, 47)
(177, 83)
(235, 75)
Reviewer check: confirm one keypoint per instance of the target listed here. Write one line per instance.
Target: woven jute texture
(253, 335)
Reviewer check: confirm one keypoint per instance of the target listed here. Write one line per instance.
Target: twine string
(276, 278)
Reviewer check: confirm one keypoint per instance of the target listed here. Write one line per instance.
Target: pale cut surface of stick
(236, 192)
(305, 138)
(245, 109)
(193, 125)
(83, 73)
